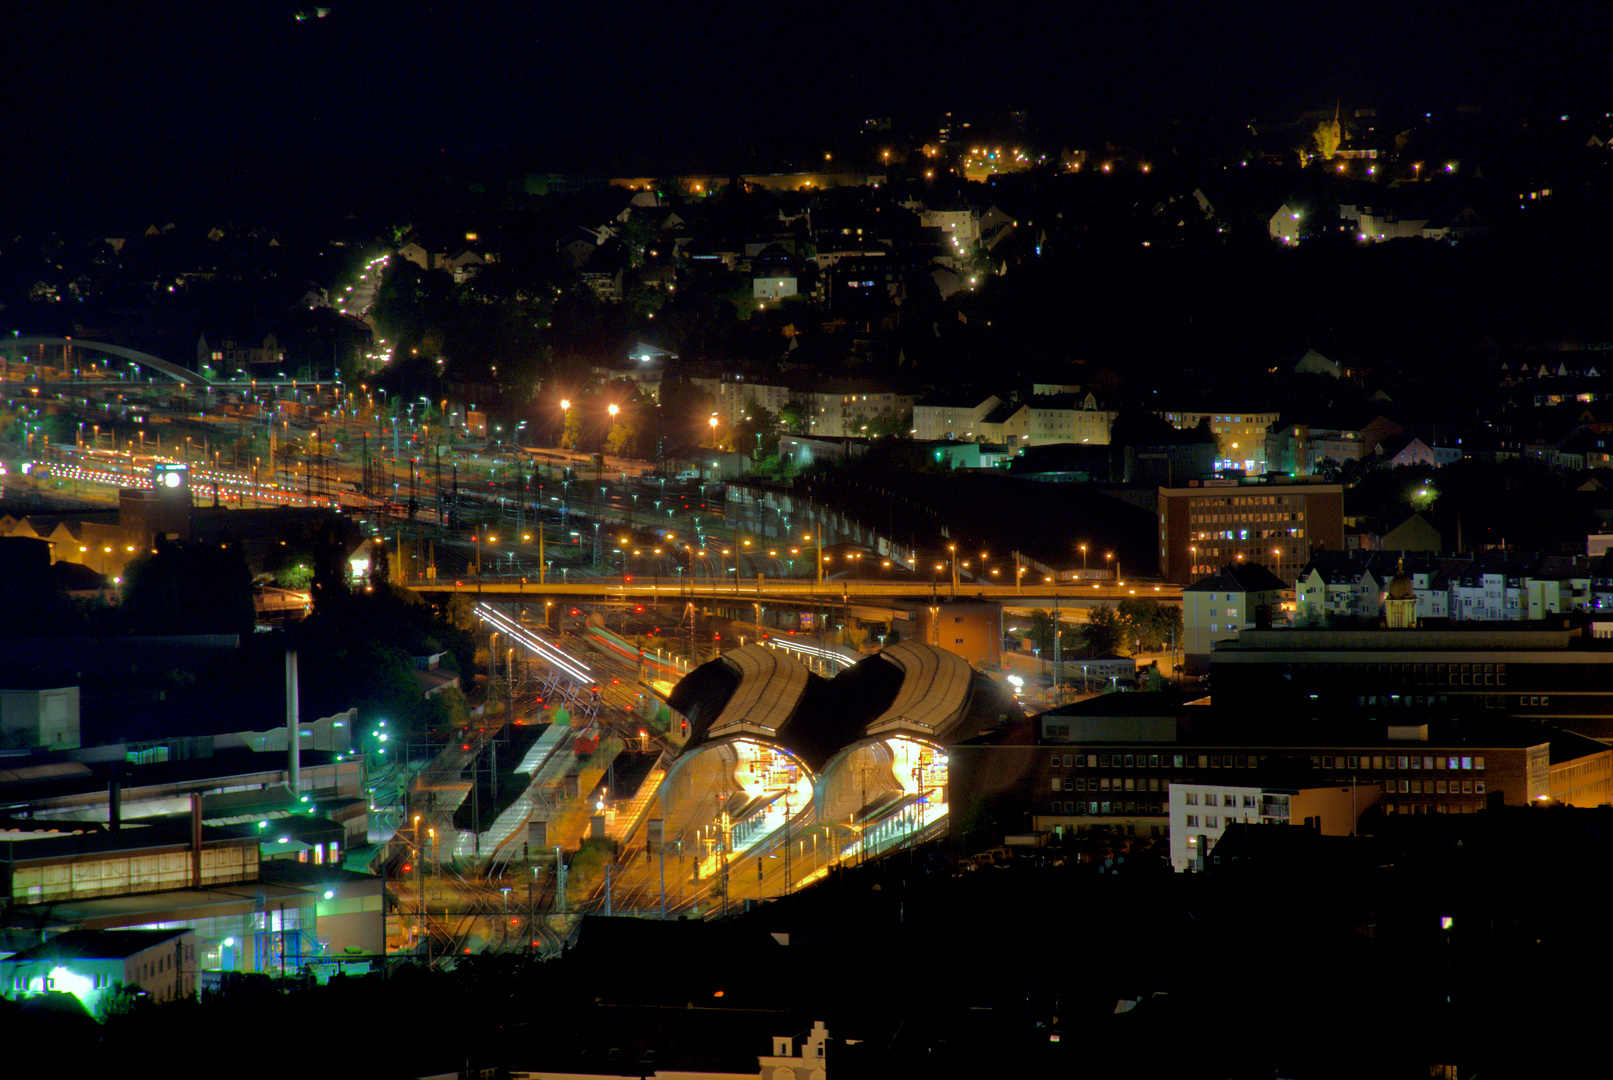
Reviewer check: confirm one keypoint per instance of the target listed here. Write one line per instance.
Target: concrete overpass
(801, 590)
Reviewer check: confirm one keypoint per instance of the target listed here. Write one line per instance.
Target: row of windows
(1247, 500)
(1212, 821)
(1155, 761)
(1250, 761)
(1106, 784)
(1213, 798)
(1398, 761)
(1103, 807)
(1434, 787)
(1429, 808)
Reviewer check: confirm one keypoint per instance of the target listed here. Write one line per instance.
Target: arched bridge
(156, 363)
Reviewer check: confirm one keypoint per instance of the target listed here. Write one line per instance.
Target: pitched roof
(98, 944)
(1239, 577)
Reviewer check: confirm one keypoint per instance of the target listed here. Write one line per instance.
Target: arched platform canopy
(740, 773)
(155, 363)
(870, 770)
(934, 697)
(766, 691)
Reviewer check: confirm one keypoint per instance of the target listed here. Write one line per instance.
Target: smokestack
(196, 841)
(293, 762)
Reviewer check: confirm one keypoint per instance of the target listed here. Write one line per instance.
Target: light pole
(565, 419)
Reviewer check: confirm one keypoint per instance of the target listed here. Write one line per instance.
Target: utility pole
(560, 879)
(786, 843)
(1057, 657)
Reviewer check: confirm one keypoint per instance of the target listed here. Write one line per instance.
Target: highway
(837, 590)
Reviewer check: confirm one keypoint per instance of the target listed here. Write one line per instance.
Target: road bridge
(155, 363)
(802, 590)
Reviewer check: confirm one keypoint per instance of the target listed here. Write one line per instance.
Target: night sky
(163, 90)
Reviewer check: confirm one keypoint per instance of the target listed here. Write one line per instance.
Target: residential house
(1335, 585)
(1237, 597)
(1240, 437)
(852, 407)
(951, 415)
(1490, 590)
(1059, 418)
(1287, 224)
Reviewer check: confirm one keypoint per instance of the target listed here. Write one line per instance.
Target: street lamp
(713, 423)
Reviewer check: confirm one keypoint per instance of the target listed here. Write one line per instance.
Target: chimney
(293, 762)
(196, 840)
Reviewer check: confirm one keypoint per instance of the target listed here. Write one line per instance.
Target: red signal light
(407, 868)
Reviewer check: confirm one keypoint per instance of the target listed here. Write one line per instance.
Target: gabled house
(1335, 585)
(1239, 596)
(1492, 589)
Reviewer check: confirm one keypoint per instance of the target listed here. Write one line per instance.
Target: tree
(1147, 624)
(622, 433)
(121, 999)
(1327, 137)
(294, 576)
(1042, 631)
(892, 425)
(757, 433)
(1103, 633)
(794, 416)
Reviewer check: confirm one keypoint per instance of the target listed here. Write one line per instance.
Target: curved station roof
(907, 689)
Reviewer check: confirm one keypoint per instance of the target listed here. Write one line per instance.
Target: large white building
(1059, 418)
(1240, 437)
(89, 963)
(1201, 812)
(942, 416)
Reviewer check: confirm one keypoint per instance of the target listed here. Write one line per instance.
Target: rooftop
(1239, 577)
(98, 944)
